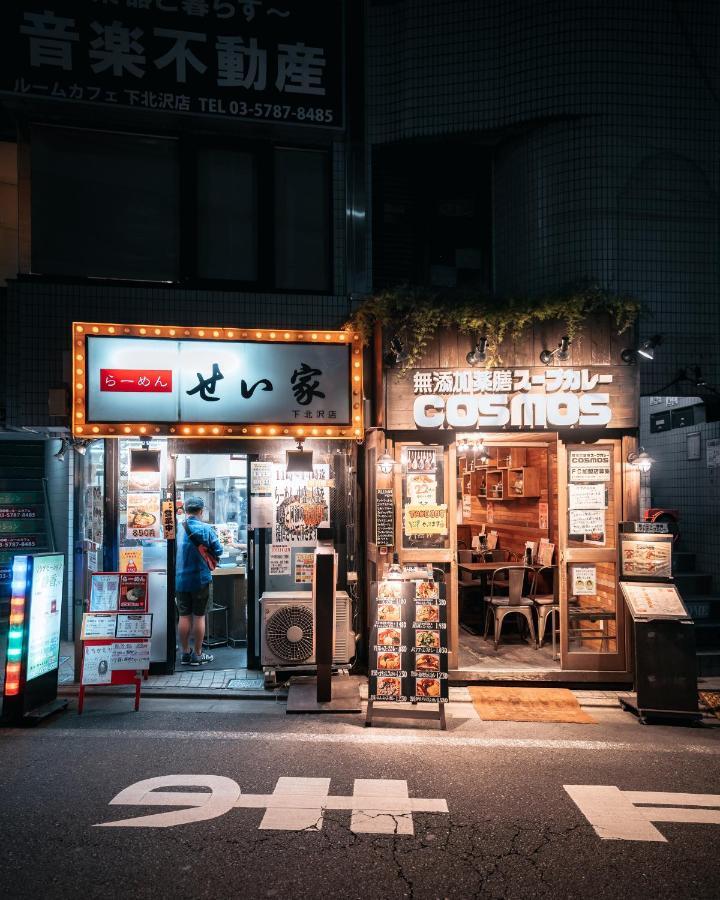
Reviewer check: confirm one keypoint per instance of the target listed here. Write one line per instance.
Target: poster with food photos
(409, 642)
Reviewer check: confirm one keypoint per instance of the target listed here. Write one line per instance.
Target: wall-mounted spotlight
(647, 349)
(79, 446)
(60, 455)
(396, 352)
(298, 461)
(386, 464)
(560, 354)
(640, 459)
(479, 352)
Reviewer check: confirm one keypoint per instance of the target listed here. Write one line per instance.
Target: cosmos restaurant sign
(215, 382)
(520, 398)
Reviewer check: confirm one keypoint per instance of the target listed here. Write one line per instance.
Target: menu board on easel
(384, 518)
(116, 631)
(409, 642)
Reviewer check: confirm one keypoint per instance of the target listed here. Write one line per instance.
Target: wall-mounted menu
(409, 643)
(384, 518)
(643, 558)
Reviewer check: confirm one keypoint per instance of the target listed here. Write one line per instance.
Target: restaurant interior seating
(498, 606)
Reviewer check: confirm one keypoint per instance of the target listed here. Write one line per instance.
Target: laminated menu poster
(143, 516)
(104, 588)
(409, 642)
(133, 595)
(97, 664)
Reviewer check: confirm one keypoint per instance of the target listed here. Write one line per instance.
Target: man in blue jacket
(192, 582)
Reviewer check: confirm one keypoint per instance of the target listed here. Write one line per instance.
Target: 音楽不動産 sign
(210, 382)
(279, 63)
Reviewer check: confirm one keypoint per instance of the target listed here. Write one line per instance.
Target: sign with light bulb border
(176, 381)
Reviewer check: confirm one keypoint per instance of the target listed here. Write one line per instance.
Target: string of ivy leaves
(416, 315)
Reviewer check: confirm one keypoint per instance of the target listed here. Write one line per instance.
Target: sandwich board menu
(409, 642)
(116, 631)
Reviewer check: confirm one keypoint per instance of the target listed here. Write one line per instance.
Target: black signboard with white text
(276, 61)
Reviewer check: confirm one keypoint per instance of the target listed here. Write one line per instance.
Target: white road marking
(301, 817)
(378, 806)
(628, 815)
(373, 818)
(366, 738)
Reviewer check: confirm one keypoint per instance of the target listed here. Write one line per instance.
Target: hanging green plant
(416, 314)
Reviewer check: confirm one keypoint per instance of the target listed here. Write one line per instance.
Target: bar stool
(211, 638)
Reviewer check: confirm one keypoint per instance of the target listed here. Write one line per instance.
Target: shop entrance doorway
(221, 481)
(507, 553)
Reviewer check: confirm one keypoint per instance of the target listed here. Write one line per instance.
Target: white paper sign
(586, 496)
(98, 625)
(584, 581)
(280, 559)
(587, 521)
(104, 593)
(97, 664)
(130, 655)
(261, 477)
(589, 465)
(262, 511)
(134, 625)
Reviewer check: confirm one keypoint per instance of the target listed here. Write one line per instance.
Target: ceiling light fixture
(479, 352)
(560, 354)
(463, 445)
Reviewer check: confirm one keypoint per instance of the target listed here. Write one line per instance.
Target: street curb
(178, 694)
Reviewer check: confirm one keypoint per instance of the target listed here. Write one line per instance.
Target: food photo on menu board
(133, 592)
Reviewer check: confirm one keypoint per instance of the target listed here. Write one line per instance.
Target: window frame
(188, 150)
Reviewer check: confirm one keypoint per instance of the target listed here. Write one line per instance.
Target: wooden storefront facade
(533, 423)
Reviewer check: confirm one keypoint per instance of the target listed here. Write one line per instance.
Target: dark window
(104, 205)
(227, 230)
(302, 220)
(112, 205)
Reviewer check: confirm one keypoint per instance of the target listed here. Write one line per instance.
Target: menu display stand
(665, 663)
(409, 652)
(116, 628)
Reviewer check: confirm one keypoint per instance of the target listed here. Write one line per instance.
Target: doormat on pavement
(246, 684)
(509, 704)
(711, 701)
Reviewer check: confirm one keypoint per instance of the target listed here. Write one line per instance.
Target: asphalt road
(511, 829)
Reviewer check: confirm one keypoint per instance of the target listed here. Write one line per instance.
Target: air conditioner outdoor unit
(287, 635)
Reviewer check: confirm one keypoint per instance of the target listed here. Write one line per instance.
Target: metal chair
(499, 607)
(468, 586)
(547, 605)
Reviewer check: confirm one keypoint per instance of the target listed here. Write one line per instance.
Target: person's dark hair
(194, 504)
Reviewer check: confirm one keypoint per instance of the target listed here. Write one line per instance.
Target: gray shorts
(193, 603)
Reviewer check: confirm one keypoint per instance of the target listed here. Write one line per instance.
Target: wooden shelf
(495, 486)
(510, 457)
(522, 482)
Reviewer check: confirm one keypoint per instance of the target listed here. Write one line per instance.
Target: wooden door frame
(620, 661)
